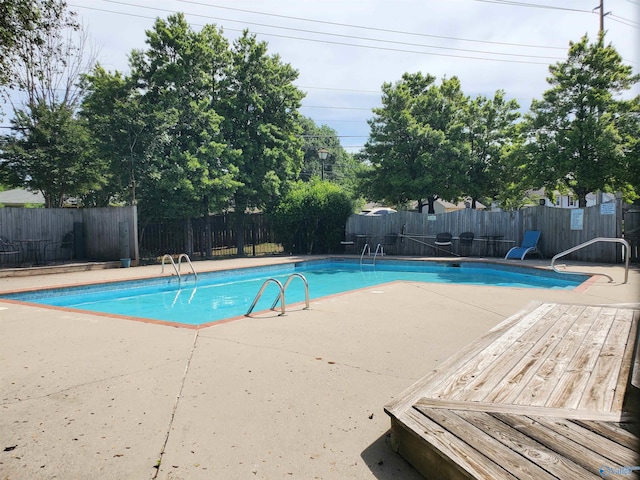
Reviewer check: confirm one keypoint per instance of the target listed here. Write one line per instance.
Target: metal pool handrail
(264, 285)
(166, 255)
(185, 256)
(284, 289)
(380, 249)
(589, 242)
(365, 249)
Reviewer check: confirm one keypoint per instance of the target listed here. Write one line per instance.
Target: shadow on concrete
(385, 464)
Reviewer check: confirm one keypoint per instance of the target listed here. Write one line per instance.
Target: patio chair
(529, 245)
(465, 243)
(349, 243)
(443, 243)
(65, 243)
(9, 249)
(390, 240)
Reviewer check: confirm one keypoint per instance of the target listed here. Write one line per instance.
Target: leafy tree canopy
(491, 133)
(173, 150)
(583, 133)
(54, 155)
(416, 146)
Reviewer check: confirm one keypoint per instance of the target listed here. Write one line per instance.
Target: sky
(344, 50)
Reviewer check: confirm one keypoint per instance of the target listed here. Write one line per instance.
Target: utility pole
(602, 15)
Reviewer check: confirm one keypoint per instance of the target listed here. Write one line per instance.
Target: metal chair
(465, 244)
(390, 240)
(9, 249)
(65, 243)
(443, 243)
(349, 243)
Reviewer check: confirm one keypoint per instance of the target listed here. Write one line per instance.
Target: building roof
(20, 197)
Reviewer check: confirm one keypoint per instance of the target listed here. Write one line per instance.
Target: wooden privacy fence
(101, 234)
(412, 233)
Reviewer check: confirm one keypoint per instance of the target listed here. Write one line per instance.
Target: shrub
(311, 217)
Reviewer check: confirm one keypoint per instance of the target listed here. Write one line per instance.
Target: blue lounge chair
(529, 245)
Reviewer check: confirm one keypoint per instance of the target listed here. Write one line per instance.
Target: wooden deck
(551, 392)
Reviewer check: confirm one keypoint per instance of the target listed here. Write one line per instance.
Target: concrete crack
(175, 406)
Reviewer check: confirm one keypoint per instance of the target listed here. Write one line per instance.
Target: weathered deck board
(542, 395)
(604, 381)
(517, 381)
(458, 376)
(435, 380)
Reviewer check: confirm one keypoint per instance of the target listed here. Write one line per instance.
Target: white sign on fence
(577, 219)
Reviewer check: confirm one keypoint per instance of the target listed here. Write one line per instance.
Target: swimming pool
(227, 294)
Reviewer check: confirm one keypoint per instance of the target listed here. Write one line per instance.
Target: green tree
(191, 170)
(580, 135)
(53, 155)
(127, 136)
(25, 27)
(262, 125)
(46, 61)
(416, 146)
(491, 134)
(311, 217)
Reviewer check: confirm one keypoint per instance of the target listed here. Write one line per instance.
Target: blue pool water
(227, 294)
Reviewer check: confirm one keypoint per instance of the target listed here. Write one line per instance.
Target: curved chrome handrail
(380, 249)
(595, 240)
(284, 289)
(185, 256)
(166, 255)
(264, 285)
(365, 249)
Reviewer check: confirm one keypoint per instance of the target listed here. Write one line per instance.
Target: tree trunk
(240, 223)
(582, 198)
(432, 201)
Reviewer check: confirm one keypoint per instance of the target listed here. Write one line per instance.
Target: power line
(365, 27)
(467, 57)
(353, 37)
(623, 21)
(532, 5)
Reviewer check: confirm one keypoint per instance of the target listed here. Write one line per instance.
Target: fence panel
(560, 229)
(102, 232)
(96, 230)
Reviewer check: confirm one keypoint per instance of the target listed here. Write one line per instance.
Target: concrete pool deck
(268, 397)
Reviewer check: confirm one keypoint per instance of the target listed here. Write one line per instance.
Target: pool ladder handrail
(365, 249)
(281, 295)
(284, 290)
(186, 257)
(592, 241)
(175, 268)
(380, 249)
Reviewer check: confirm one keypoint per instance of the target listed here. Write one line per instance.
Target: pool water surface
(227, 294)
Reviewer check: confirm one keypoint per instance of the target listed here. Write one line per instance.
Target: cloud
(346, 49)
